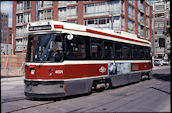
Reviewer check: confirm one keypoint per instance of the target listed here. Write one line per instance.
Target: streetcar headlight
(32, 71)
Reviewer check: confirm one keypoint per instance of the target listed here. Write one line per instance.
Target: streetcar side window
(147, 53)
(118, 50)
(135, 53)
(126, 51)
(75, 48)
(108, 50)
(142, 54)
(96, 51)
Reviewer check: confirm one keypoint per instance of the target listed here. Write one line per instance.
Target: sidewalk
(13, 79)
(160, 67)
(22, 77)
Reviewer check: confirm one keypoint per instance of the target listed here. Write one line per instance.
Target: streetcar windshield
(45, 48)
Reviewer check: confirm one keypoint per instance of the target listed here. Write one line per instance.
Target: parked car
(156, 62)
(165, 62)
(160, 62)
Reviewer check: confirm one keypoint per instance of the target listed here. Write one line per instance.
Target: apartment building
(9, 35)
(134, 16)
(4, 28)
(161, 34)
(6, 46)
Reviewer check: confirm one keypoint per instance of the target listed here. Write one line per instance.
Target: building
(134, 16)
(6, 46)
(161, 34)
(4, 28)
(9, 35)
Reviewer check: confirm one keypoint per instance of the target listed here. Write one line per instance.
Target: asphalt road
(146, 96)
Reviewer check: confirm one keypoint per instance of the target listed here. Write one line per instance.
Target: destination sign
(35, 28)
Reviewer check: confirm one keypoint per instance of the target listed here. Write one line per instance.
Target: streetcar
(65, 59)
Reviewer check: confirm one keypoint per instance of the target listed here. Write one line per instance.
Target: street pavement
(146, 96)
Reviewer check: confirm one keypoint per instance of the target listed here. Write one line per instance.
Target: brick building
(4, 28)
(161, 25)
(6, 46)
(134, 16)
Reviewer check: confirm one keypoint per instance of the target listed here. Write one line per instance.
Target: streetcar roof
(72, 28)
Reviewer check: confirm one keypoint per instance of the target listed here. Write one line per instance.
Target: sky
(6, 7)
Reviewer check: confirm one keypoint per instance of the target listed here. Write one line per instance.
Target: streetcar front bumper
(44, 89)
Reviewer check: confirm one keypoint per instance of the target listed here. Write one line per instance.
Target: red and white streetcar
(66, 59)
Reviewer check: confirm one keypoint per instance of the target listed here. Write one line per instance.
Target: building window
(105, 8)
(147, 34)
(159, 32)
(27, 17)
(48, 3)
(117, 23)
(20, 6)
(168, 23)
(71, 2)
(140, 30)
(168, 40)
(122, 23)
(131, 1)
(122, 7)
(44, 4)
(96, 9)
(19, 18)
(168, 15)
(48, 14)
(159, 7)
(40, 4)
(74, 21)
(45, 14)
(140, 4)
(72, 11)
(24, 30)
(62, 14)
(161, 42)
(62, 3)
(159, 15)
(101, 23)
(131, 12)
(159, 24)
(19, 32)
(130, 26)
(27, 5)
(147, 21)
(140, 17)
(147, 9)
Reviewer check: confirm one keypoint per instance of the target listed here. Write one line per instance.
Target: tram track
(149, 84)
(30, 107)
(12, 99)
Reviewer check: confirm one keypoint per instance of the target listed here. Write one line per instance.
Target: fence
(12, 65)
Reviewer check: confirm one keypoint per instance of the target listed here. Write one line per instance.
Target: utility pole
(111, 10)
